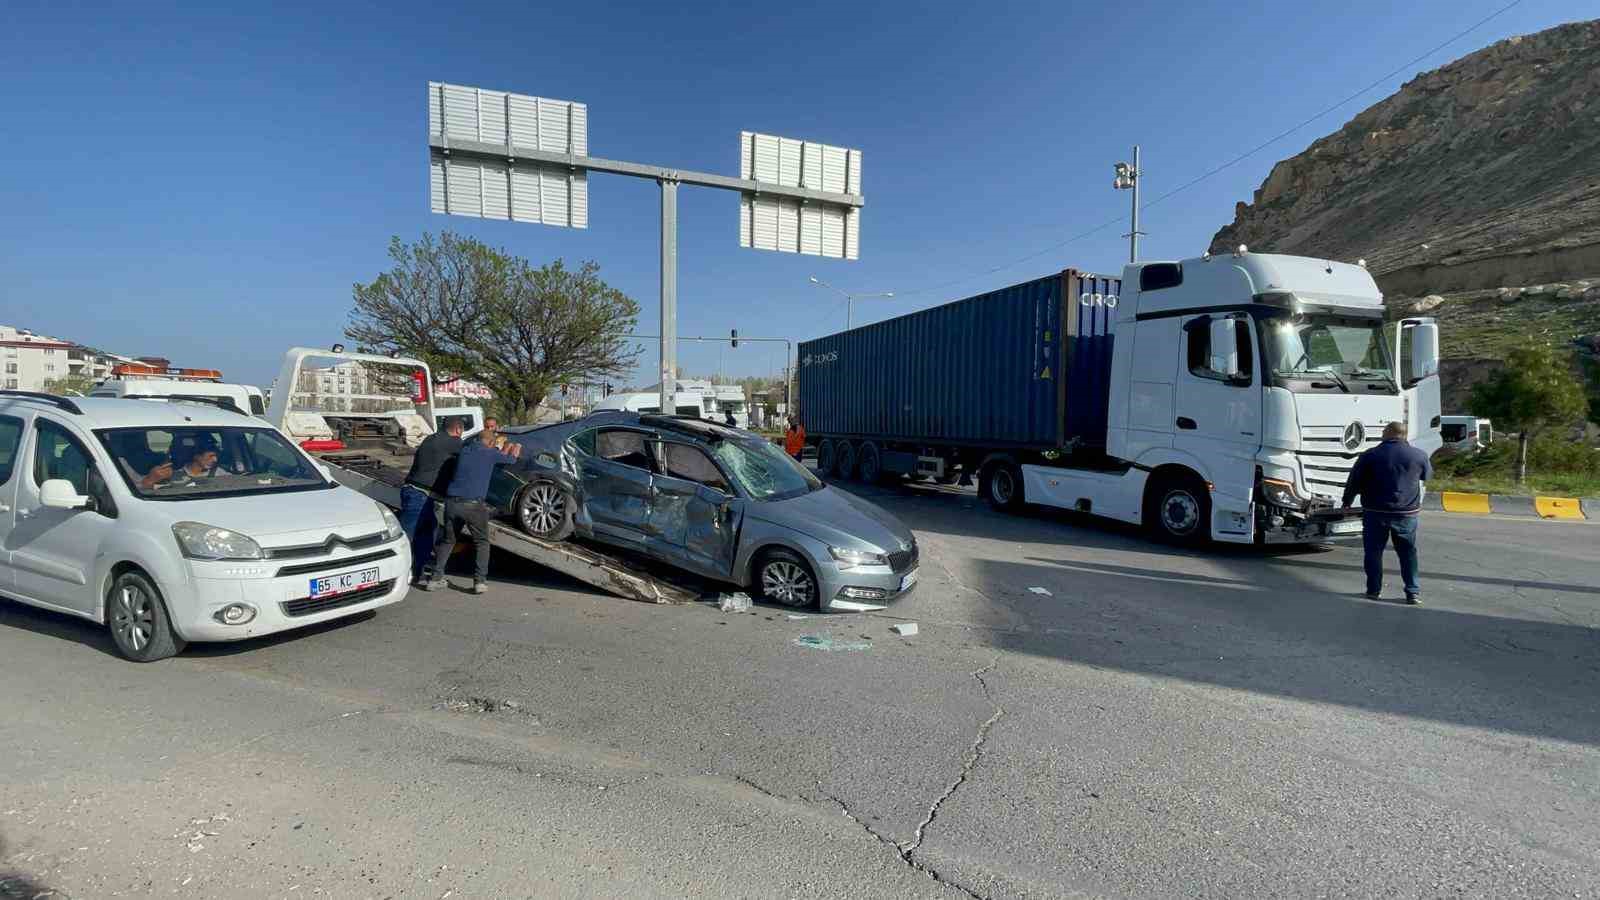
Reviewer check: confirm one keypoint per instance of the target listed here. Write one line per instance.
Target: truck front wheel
(1001, 485)
(1178, 509)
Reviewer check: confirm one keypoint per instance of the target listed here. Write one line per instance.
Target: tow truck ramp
(371, 475)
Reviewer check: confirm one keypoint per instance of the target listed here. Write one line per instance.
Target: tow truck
(367, 445)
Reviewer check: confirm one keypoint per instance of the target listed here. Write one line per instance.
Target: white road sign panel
(520, 192)
(790, 226)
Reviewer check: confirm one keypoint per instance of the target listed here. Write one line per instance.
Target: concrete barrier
(1457, 502)
(1433, 501)
(1591, 508)
(1558, 507)
(1512, 506)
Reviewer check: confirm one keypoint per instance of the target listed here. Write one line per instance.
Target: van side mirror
(1224, 348)
(58, 493)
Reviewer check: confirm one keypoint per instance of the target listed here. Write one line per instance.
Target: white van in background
(688, 403)
(136, 382)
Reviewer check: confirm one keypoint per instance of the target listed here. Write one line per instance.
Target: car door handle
(1186, 423)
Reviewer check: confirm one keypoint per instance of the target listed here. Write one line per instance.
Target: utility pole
(1128, 179)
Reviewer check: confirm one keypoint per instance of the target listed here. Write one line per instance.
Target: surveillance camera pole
(1128, 179)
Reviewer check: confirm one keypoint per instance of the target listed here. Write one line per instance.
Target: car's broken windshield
(763, 471)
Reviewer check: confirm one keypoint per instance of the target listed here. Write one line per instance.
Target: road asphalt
(1081, 713)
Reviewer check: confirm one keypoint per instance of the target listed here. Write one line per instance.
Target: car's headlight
(391, 524)
(201, 541)
(858, 557)
(1281, 493)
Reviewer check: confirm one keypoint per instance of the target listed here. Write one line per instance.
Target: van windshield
(177, 463)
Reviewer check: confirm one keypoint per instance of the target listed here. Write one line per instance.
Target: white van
(178, 521)
(688, 403)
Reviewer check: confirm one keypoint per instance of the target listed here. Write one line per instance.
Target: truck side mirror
(1224, 348)
(1424, 351)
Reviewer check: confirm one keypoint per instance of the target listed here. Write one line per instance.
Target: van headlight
(858, 557)
(200, 541)
(1281, 493)
(391, 524)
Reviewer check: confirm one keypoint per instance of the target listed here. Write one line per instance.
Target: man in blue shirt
(1388, 478)
(464, 505)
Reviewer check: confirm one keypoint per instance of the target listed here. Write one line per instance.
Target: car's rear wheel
(845, 460)
(787, 580)
(544, 510)
(138, 620)
(827, 458)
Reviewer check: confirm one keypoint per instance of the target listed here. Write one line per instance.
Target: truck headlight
(391, 525)
(200, 541)
(858, 557)
(1281, 493)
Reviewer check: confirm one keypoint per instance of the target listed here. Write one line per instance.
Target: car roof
(109, 412)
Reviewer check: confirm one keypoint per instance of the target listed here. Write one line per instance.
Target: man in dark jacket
(466, 506)
(1388, 478)
(431, 470)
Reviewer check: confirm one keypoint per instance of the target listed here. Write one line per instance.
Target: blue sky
(206, 183)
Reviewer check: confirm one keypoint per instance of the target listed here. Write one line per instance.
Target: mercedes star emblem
(1354, 436)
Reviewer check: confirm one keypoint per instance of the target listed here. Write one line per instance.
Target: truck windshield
(763, 471)
(176, 463)
(1343, 348)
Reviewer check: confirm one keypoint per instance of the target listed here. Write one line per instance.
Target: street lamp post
(1128, 179)
(849, 300)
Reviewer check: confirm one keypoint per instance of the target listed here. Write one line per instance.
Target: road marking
(1457, 502)
(1558, 507)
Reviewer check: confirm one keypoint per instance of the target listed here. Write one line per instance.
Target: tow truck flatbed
(378, 471)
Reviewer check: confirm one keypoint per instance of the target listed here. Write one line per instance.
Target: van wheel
(826, 457)
(545, 511)
(786, 580)
(1178, 509)
(1001, 485)
(870, 465)
(137, 617)
(845, 460)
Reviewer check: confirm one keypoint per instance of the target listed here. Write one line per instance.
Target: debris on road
(824, 642)
(1040, 591)
(737, 602)
(794, 618)
(904, 629)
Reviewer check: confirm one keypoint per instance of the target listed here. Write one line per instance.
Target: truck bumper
(1319, 527)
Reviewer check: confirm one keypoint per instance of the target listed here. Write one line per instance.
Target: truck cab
(1244, 385)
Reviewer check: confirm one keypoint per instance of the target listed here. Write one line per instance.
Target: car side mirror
(58, 493)
(1224, 349)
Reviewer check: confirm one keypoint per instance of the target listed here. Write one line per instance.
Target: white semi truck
(1223, 397)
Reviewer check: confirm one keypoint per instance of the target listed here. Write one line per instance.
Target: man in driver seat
(202, 464)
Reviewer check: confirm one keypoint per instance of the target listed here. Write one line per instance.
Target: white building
(29, 361)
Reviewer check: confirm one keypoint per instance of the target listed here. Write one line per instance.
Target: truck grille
(903, 560)
(1325, 460)
(306, 606)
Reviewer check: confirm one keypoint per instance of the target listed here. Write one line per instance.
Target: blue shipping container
(1024, 366)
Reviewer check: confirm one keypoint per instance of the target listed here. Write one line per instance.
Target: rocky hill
(1473, 193)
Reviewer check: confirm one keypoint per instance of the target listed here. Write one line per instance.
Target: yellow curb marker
(1558, 507)
(1455, 501)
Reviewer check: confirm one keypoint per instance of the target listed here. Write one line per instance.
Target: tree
(1535, 390)
(475, 312)
(69, 386)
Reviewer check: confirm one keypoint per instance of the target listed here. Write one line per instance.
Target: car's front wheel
(544, 511)
(786, 579)
(138, 620)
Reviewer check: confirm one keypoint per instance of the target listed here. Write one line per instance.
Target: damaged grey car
(718, 502)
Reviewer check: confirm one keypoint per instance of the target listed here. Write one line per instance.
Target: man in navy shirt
(464, 505)
(1388, 478)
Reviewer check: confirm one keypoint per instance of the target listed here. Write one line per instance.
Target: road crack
(970, 760)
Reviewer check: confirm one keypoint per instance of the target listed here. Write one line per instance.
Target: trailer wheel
(1178, 509)
(845, 460)
(871, 464)
(1001, 485)
(544, 510)
(827, 457)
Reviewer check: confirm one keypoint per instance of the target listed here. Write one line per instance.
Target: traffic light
(734, 338)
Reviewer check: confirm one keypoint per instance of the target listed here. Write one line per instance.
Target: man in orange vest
(794, 442)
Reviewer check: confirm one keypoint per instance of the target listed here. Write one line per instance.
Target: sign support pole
(669, 296)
